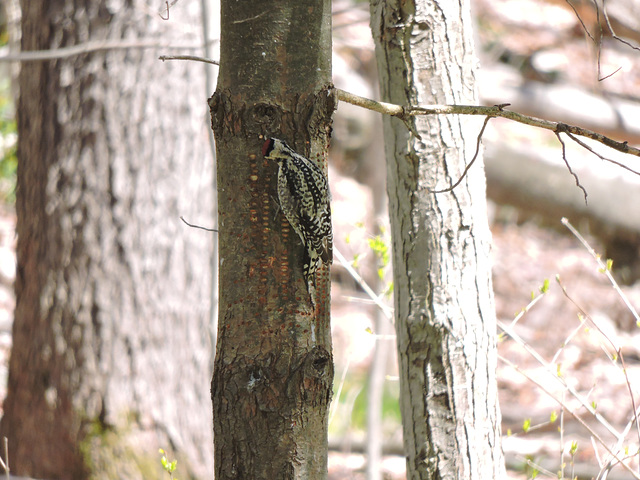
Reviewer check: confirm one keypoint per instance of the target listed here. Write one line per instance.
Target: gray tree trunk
(111, 346)
(274, 368)
(445, 318)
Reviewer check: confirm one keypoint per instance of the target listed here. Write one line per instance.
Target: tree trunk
(273, 372)
(445, 317)
(110, 340)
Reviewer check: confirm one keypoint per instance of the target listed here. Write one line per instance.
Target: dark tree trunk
(445, 317)
(110, 341)
(273, 373)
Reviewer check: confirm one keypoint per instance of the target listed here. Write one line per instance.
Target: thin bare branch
(587, 147)
(566, 162)
(160, 13)
(601, 79)
(380, 107)
(198, 226)
(386, 311)
(93, 46)
(475, 156)
(195, 58)
(613, 33)
(495, 111)
(603, 268)
(5, 463)
(584, 27)
(167, 9)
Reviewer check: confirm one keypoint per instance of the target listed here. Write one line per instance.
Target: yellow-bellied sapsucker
(303, 193)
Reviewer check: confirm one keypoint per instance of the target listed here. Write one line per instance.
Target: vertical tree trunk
(110, 340)
(442, 279)
(273, 372)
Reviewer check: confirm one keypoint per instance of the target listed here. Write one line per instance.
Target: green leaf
(379, 246)
(545, 286)
(526, 425)
(574, 448)
(553, 417)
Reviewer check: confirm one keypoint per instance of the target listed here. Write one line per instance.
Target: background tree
(111, 344)
(274, 368)
(445, 317)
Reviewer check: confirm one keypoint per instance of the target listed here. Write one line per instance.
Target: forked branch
(406, 112)
(403, 112)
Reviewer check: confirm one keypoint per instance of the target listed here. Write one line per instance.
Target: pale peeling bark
(111, 349)
(445, 317)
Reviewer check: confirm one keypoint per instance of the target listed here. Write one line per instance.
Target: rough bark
(273, 372)
(110, 339)
(445, 317)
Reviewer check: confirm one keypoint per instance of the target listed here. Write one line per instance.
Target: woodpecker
(303, 193)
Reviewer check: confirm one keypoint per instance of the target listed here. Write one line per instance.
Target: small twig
(198, 226)
(160, 13)
(387, 312)
(601, 157)
(475, 156)
(92, 46)
(167, 10)
(603, 268)
(564, 393)
(255, 17)
(526, 309)
(566, 162)
(601, 79)
(343, 378)
(584, 27)
(613, 34)
(5, 462)
(599, 42)
(188, 57)
(566, 341)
